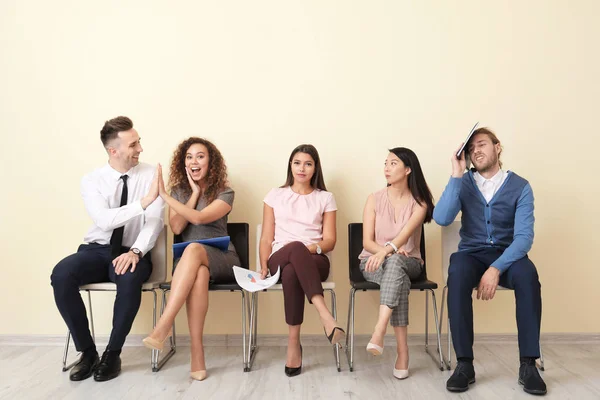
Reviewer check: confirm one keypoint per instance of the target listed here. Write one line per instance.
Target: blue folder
(221, 243)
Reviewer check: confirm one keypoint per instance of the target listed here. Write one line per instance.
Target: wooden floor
(572, 372)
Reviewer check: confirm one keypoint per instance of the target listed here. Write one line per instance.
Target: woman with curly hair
(199, 204)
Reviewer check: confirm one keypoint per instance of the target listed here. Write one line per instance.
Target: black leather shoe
(289, 371)
(530, 378)
(109, 367)
(85, 366)
(463, 376)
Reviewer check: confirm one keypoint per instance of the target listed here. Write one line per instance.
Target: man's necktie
(116, 240)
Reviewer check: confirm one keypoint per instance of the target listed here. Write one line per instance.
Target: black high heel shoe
(289, 371)
(336, 335)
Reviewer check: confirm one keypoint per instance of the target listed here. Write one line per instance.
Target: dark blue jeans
(93, 264)
(465, 272)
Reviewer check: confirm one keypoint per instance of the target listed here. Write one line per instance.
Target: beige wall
(352, 77)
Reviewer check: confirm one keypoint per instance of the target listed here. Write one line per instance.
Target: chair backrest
(355, 247)
(450, 240)
(158, 255)
(257, 266)
(258, 233)
(239, 234)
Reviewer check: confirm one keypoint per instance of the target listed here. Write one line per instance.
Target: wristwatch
(319, 250)
(137, 252)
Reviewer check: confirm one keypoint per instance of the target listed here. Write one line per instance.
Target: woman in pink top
(392, 223)
(298, 230)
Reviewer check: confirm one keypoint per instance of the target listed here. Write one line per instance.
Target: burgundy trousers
(301, 275)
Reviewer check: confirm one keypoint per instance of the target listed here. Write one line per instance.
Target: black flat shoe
(289, 371)
(336, 335)
(109, 367)
(85, 367)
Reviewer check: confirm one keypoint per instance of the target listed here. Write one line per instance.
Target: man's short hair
(112, 127)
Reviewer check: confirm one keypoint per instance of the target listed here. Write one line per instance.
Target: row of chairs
(239, 234)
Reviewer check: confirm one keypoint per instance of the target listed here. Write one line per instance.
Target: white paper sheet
(250, 280)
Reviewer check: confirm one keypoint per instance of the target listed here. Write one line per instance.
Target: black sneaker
(463, 376)
(530, 378)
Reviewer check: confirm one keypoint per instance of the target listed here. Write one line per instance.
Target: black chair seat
(211, 286)
(423, 285)
(365, 285)
(224, 286)
(420, 285)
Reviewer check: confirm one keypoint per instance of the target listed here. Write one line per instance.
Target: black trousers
(93, 264)
(465, 271)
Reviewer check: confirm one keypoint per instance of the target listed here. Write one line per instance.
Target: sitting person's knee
(194, 249)
(60, 274)
(395, 258)
(134, 278)
(296, 246)
(457, 269)
(525, 273)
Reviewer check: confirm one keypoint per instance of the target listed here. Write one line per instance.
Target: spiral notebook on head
(221, 243)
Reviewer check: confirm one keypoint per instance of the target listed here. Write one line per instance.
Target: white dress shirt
(101, 191)
(489, 187)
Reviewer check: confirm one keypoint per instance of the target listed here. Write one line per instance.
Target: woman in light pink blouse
(392, 224)
(298, 231)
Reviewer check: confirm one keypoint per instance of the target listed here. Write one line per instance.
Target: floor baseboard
(307, 340)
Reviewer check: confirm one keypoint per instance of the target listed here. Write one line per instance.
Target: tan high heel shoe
(156, 344)
(198, 375)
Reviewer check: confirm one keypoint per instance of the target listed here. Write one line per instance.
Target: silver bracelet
(392, 245)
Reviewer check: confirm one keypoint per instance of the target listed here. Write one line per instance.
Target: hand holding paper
(251, 281)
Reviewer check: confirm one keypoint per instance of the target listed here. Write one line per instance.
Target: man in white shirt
(122, 200)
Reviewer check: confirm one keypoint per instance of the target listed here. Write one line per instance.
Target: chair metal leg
(255, 343)
(66, 367)
(154, 353)
(347, 329)
(252, 347)
(91, 315)
(541, 366)
(350, 331)
(426, 320)
(336, 347)
(441, 321)
(161, 362)
(244, 329)
(437, 329)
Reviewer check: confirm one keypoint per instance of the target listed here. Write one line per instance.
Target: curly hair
(217, 170)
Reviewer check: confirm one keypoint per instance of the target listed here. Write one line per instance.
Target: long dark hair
(317, 180)
(416, 180)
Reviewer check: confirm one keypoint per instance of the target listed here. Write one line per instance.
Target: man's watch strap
(137, 252)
